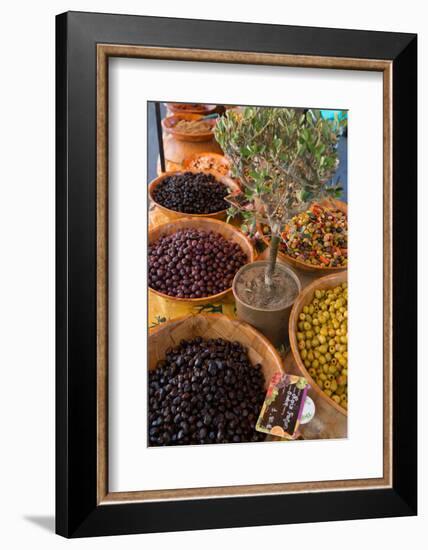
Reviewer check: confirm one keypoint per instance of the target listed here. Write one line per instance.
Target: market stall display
(198, 265)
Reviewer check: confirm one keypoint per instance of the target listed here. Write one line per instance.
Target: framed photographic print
(236, 274)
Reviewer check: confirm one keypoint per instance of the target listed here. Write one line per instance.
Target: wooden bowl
(173, 214)
(219, 160)
(197, 109)
(170, 122)
(214, 325)
(303, 266)
(228, 231)
(303, 299)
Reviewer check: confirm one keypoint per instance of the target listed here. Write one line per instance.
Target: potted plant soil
(284, 159)
(266, 307)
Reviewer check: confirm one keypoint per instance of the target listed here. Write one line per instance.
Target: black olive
(200, 276)
(191, 193)
(215, 402)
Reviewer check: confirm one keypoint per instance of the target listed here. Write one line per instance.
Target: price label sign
(283, 406)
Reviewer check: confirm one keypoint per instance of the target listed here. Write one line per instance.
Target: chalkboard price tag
(283, 406)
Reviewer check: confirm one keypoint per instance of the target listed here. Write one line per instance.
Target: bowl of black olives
(207, 381)
(192, 193)
(195, 259)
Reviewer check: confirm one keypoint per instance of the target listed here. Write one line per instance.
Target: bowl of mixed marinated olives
(316, 240)
(207, 381)
(319, 337)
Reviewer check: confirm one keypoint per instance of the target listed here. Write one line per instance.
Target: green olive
(322, 338)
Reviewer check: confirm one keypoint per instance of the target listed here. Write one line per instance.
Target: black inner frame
(77, 513)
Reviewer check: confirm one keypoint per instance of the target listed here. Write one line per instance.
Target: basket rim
(163, 326)
(170, 105)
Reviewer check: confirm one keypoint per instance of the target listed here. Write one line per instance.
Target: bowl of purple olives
(195, 259)
(192, 193)
(207, 381)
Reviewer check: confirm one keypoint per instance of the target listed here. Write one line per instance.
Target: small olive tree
(284, 158)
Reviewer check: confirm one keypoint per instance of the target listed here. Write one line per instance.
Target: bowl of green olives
(318, 330)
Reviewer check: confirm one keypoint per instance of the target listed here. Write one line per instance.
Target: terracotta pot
(198, 109)
(174, 215)
(228, 231)
(273, 323)
(178, 150)
(169, 125)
